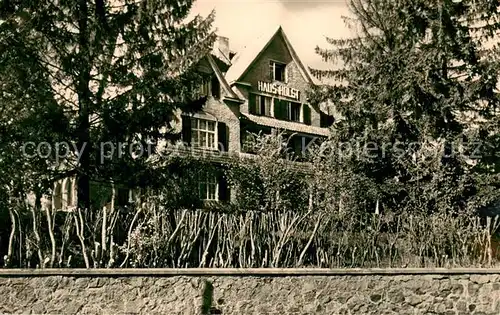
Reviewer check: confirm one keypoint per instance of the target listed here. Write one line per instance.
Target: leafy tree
(101, 72)
(417, 82)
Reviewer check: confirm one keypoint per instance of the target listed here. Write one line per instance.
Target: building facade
(261, 89)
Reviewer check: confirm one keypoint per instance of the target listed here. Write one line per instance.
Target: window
(286, 110)
(247, 143)
(263, 105)
(206, 88)
(203, 134)
(208, 187)
(211, 87)
(294, 111)
(260, 105)
(277, 71)
(298, 146)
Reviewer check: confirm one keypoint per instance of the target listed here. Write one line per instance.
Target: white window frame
(197, 129)
(273, 63)
(258, 98)
(209, 181)
(290, 106)
(289, 102)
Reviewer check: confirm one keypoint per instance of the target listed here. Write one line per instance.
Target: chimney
(221, 49)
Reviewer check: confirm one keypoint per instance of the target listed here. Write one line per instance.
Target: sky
(306, 23)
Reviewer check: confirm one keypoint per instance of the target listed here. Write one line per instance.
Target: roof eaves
(221, 78)
(240, 72)
(232, 99)
(286, 125)
(305, 72)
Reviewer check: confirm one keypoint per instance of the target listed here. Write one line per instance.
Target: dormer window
(206, 88)
(277, 71)
(211, 87)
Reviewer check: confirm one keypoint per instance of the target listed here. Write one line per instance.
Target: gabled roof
(231, 94)
(243, 60)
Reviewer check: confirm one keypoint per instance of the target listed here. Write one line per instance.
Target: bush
(324, 213)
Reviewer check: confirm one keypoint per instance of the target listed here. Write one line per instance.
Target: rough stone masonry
(288, 294)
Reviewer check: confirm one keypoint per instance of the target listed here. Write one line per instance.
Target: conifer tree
(95, 72)
(417, 77)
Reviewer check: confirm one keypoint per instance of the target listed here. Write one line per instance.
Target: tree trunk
(83, 128)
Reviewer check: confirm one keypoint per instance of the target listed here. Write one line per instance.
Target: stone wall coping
(250, 272)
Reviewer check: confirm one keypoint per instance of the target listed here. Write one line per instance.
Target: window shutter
(307, 114)
(277, 109)
(224, 193)
(252, 104)
(283, 109)
(186, 129)
(223, 135)
(271, 71)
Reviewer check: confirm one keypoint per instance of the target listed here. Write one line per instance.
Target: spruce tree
(416, 78)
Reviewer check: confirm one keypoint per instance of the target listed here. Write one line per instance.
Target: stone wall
(250, 292)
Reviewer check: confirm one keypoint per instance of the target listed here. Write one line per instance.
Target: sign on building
(278, 89)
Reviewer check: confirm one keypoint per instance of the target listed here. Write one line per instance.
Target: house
(263, 88)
